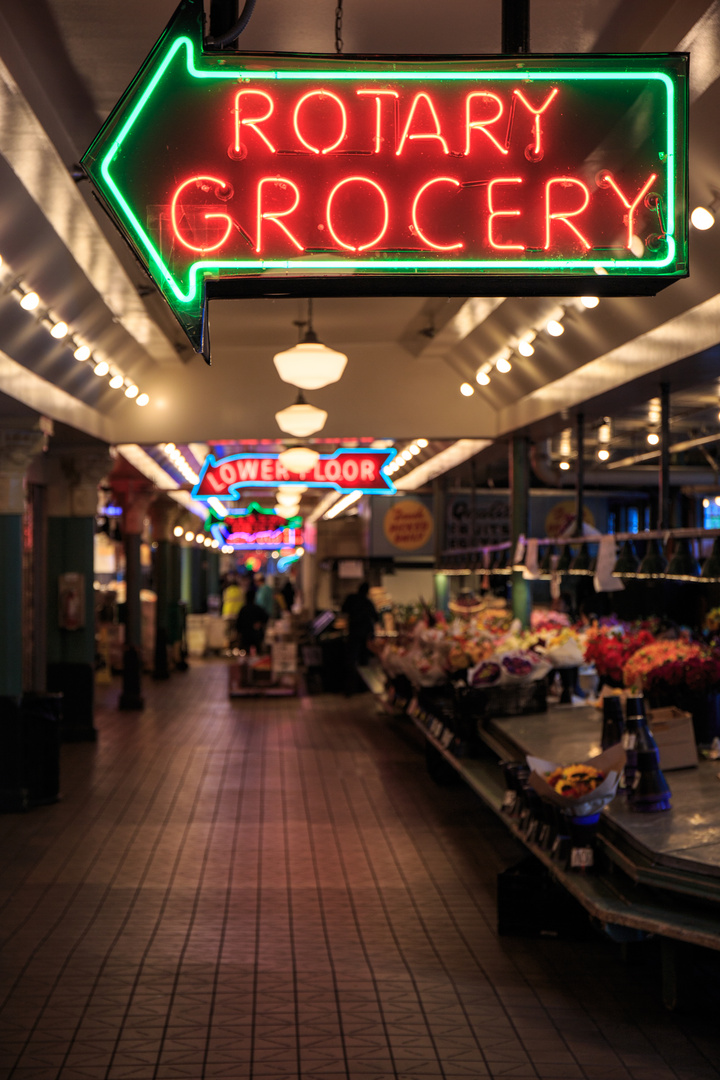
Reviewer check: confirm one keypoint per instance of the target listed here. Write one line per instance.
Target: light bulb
(116, 382)
(59, 330)
(706, 503)
(199, 539)
(101, 368)
(406, 455)
(414, 450)
(132, 391)
(178, 530)
(422, 443)
(564, 465)
(299, 551)
(603, 454)
(653, 438)
(82, 352)
(526, 348)
(142, 400)
(30, 301)
(466, 389)
(554, 328)
(482, 378)
(208, 541)
(189, 536)
(589, 301)
(503, 365)
(702, 218)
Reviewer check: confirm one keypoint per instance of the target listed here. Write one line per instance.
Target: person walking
(362, 617)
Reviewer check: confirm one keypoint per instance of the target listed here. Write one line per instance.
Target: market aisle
(276, 889)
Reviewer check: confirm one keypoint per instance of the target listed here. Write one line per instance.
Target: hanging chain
(338, 27)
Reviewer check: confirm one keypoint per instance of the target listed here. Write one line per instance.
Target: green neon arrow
(126, 158)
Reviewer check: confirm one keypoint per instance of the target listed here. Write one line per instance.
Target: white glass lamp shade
(298, 459)
(286, 511)
(301, 419)
(310, 365)
(287, 498)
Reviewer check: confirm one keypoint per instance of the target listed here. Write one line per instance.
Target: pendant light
(301, 419)
(287, 498)
(286, 511)
(298, 459)
(683, 566)
(711, 566)
(654, 563)
(581, 564)
(310, 364)
(627, 562)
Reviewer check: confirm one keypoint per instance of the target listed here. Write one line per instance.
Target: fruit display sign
(239, 175)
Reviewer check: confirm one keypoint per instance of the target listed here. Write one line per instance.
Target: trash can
(41, 716)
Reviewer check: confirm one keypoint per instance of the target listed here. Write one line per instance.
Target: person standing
(265, 597)
(362, 617)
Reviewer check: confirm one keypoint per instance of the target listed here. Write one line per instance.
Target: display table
(657, 874)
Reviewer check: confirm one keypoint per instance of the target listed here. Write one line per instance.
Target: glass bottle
(613, 721)
(647, 788)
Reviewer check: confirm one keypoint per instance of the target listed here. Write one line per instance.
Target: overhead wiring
(235, 31)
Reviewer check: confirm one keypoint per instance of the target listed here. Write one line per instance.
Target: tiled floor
(275, 889)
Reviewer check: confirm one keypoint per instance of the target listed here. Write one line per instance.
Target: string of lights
(30, 301)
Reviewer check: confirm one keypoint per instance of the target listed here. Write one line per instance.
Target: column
(163, 513)
(72, 482)
(136, 499)
(18, 446)
(519, 522)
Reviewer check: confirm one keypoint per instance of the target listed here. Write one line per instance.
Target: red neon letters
(402, 169)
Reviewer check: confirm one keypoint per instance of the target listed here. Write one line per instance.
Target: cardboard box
(675, 737)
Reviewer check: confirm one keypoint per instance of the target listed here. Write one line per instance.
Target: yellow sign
(408, 525)
(561, 516)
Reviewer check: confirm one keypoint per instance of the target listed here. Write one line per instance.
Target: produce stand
(654, 875)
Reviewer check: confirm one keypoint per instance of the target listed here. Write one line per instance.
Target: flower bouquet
(579, 792)
(662, 666)
(610, 647)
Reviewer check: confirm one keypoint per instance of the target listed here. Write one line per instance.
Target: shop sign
(345, 470)
(408, 525)
(257, 529)
(240, 175)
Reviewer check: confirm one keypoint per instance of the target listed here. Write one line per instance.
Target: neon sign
(257, 529)
(345, 470)
(242, 175)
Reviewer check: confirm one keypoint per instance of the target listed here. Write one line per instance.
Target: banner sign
(345, 470)
(233, 174)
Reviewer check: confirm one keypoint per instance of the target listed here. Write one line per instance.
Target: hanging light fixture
(287, 498)
(301, 419)
(298, 459)
(286, 511)
(683, 565)
(582, 563)
(627, 562)
(711, 566)
(310, 364)
(654, 563)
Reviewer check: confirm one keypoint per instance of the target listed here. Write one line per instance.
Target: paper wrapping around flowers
(611, 762)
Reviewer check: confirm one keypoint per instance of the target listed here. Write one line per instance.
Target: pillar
(163, 513)
(18, 446)
(72, 481)
(519, 522)
(136, 500)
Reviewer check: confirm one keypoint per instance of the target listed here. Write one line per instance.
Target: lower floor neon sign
(233, 174)
(345, 470)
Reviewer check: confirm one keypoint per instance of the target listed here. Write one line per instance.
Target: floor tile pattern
(275, 889)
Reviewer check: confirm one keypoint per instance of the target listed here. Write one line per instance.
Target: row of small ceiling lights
(404, 457)
(180, 462)
(524, 346)
(199, 538)
(60, 331)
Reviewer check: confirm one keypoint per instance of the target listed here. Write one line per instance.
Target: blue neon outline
(379, 265)
(233, 489)
(286, 560)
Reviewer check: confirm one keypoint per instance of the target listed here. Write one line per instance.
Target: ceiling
(64, 64)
